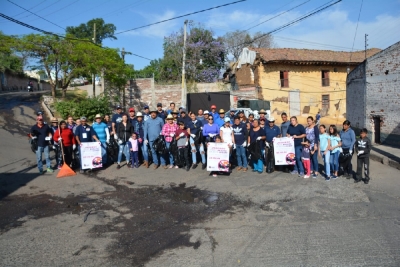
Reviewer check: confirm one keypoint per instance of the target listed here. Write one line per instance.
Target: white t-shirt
(227, 134)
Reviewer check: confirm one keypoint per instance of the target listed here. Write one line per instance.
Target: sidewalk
(386, 155)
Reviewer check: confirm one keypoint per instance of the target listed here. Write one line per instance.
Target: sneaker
(204, 166)
(41, 171)
(118, 166)
(165, 166)
(214, 175)
(328, 178)
(59, 167)
(306, 176)
(366, 181)
(238, 168)
(357, 181)
(194, 166)
(49, 170)
(253, 170)
(128, 163)
(187, 168)
(334, 177)
(293, 172)
(314, 176)
(348, 176)
(81, 171)
(244, 169)
(171, 167)
(176, 167)
(302, 174)
(155, 166)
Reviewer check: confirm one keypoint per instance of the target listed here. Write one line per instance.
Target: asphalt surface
(146, 217)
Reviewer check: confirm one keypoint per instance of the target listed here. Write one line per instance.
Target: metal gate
(294, 102)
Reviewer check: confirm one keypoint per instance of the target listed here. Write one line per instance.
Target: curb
(384, 160)
(47, 110)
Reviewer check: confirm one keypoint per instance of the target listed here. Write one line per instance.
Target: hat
(97, 116)
(227, 120)
(159, 105)
(146, 107)
(152, 109)
(262, 111)
(118, 107)
(213, 106)
(170, 117)
(131, 110)
(232, 110)
(271, 118)
(241, 111)
(183, 110)
(206, 112)
(83, 118)
(39, 113)
(54, 119)
(221, 111)
(139, 114)
(175, 111)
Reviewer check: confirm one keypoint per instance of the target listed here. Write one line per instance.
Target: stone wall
(18, 83)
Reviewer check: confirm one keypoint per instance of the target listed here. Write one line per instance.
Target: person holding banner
(297, 132)
(271, 131)
(84, 134)
(210, 130)
(257, 146)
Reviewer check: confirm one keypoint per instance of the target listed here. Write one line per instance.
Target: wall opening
(377, 129)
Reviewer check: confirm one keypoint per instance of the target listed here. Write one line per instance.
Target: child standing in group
(323, 150)
(363, 148)
(133, 145)
(182, 139)
(305, 158)
(335, 146)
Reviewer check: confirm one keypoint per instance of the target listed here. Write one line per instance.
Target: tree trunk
(53, 90)
(64, 93)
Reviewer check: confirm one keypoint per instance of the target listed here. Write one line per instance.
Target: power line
(30, 8)
(355, 34)
(57, 10)
(123, 8)
(84, 11)
(200, 11)
(35, 14)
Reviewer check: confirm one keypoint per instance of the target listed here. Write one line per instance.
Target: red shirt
(67, 136)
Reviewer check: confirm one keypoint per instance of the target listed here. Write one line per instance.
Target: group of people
(185, 136)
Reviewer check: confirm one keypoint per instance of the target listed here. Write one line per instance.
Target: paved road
(138, 218)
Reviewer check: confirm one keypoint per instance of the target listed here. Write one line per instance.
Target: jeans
(327, 158)
(135, 158)
(169, 155)
(314, 162)
(334, 161)
(241, 156)
(194, 152)
(298, 166)
(362, 163)
(258, 165)
(154, 153)
(124, 148)
(143, 149)
(104, 152)
(39, 152)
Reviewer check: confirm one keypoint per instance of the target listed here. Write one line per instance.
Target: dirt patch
(149, 221)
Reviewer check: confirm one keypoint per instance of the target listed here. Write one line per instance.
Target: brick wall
(13, 82)
(355, 97)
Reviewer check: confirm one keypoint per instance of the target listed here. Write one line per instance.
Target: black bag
(173, 149)
(160, 146)
(198, 138)
(255, 150)
(34, 145)
(345, 155)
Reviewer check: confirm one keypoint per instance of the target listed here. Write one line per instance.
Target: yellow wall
(307, 79)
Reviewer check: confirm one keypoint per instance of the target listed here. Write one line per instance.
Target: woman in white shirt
(226, 132)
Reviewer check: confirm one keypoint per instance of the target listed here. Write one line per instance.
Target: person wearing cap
(39, 114)
(66, 137)
(200, 115)
(232, 116)
(124, 132)
(152, 129)
(42, 133)
(226, 133)
(214, 112)
(220, 121)
(160, 112)
(271, 131)
(184, 117)
(132, 117)
(139, 129)
(102, 133)
(84, 133)
(55, 146)
(239, 136)
(168, 131)
(194, 127)
(146, 113)
(116, 118)
(206, 116)
(262, 123)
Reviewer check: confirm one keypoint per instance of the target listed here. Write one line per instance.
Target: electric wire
(29, 8)
(57, 10)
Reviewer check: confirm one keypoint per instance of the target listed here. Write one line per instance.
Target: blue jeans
(143, 149)
(314, 161)
(299, 165)
(334, 160)
(39, 152)
(124, 148)
(168, 155)
(104, 152)
(153, 153)
(258, 165)
(194, 152)
(326, 159)
(241, 156)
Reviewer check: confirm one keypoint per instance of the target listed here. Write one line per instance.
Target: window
(325, 102)
(325, 77)
(284, 76)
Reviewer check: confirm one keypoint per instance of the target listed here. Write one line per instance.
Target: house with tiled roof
(301, 81)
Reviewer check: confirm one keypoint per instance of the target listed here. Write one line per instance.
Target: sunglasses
(210, 119)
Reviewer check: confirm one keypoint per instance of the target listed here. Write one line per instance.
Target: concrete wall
(14, 82)
(307, 79)
(355, 97)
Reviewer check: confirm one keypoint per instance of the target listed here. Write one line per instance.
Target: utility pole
(183, 98)
(94, 75)
(123, 53)
(366, 45)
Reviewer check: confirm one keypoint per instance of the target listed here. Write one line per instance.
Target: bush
(88, 107)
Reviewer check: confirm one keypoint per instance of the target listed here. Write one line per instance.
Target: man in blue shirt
(220, 121)
(152, 129)
(116, 118)
(84, 134)
(160, 112)
(297, 132)
(41, 134)
(146, 113)
(271, 131)
(348, 139)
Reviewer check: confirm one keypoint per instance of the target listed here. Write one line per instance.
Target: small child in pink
(134, 150)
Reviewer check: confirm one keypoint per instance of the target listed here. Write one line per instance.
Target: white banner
(218, 157)
(284, 151)
(91, 155)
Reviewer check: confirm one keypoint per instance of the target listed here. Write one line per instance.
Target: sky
(335, 28)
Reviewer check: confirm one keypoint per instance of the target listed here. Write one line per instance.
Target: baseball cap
(206, 112)
(159, 105)
(83, 118)
(118, 107)
(227, 120)
(131, 110)
(183, 110)
(146, 107)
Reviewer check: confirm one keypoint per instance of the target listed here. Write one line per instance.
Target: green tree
(8, 60)
(148, 71)
(85, 31)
